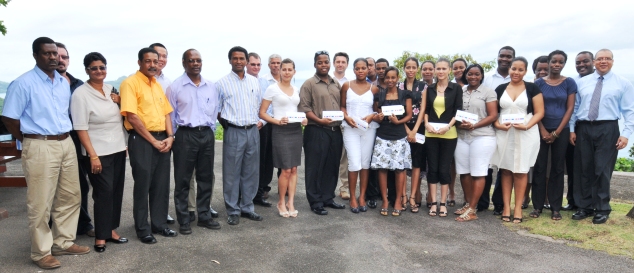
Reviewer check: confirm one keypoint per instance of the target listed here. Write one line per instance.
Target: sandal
(556, 216)
(451, 203)
(404, 202)
(468, 215)
(519, 220)
(535, 213)
(384, 211)
(442, 213)
(433, 212)
(462, 210)
(414, 206)
(506, 218)
(396, 212)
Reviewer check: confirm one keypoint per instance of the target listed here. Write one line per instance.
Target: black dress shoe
(170, 220)
(185, 229)
(167, 233)
(334, 205)
(262, 202)
(192, 216)
(233, 219)
(569, 207)
(214, 214)
(121, 240)
(148, 239)
(581, 214)
(319, 211)
(210, 224)
(100, 248)
(252, 216)
(372, 204)
(497, 212)
(600, 218)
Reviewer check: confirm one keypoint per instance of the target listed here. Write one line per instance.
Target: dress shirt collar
(145, 79)
(269, 77)
(317, 79)
(45, 77)
(465, 88)
(235, 75)
(189, 80)
(607, 76)
(497, 74)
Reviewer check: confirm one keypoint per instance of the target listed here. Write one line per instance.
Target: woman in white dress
(517, 141)
(357, 99)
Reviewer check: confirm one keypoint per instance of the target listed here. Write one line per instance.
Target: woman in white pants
(476, 140)
(359, 131)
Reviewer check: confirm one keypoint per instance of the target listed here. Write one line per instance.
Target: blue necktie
(593, 113)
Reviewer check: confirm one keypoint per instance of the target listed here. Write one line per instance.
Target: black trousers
(151, 174)
(555, 189)
(439, 156)
(83, 223)
(485, 199)
(193, 150)
(107, 192)
(570, 163)
(595, 157)
(266, 160)
(322, 151)
(373, 192)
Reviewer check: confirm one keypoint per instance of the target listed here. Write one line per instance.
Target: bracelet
(554, 134)
(94, 158)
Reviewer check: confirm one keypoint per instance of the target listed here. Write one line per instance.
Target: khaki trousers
(51, 172)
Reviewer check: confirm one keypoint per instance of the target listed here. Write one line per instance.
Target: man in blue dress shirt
(36, 112)
(601, 100)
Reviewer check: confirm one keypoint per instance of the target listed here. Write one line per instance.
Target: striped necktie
(593, 114)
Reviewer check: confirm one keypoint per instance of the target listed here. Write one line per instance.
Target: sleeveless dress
(516, 149)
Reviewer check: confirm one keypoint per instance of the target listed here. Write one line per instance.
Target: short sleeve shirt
(318, 96)
(281, 102)
(145, 98)
(555, 101)
(475, 102)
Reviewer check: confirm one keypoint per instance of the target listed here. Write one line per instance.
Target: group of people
(388, 129)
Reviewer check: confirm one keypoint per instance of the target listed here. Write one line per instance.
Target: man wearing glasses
(83, 226)
(323, 141)
(36, 112)
(594, 130)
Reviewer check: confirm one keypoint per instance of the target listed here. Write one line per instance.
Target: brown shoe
(345, 195)
(72, 250)
(48, 262)
(90, 233)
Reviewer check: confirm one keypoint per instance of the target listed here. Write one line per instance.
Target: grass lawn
(615, 237)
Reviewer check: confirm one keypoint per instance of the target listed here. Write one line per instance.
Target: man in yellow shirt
(146, 112)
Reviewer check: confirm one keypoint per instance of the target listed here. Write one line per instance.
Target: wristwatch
(172, 136)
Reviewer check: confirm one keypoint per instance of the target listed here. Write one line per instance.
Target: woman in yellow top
(444, 98)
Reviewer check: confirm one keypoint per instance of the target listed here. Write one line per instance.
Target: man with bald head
(602, 99)
(195, 103)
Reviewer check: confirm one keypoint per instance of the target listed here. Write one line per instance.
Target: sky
(296, 30)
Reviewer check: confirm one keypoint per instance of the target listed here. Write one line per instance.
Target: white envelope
(513, 118)
(334, 115)
(361, 124)
(295, 116)
(420, 138)
(437, 126)
(466, 116)
(393, 109)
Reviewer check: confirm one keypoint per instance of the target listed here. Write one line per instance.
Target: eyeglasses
(604, 59)
(323, 52)
(95, 68)
(64, 57)
(252, 64)
(191, 61)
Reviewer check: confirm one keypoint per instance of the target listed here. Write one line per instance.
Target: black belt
(331, 128)
(47, 137)
(197, 128)
(595, 122)
(155, 133)
(240, 127)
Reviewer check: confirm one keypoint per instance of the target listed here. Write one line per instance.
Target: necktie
(593, 114)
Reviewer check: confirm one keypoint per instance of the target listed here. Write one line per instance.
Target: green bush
(624, 165)
(219, 132)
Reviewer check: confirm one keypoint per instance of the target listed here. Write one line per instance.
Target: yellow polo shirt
(145, 98)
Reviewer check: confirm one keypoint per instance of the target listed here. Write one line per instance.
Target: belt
(240, 127)
(331, 128)
(594, 122)
(197, 128)
(155, 133)
(47, 137)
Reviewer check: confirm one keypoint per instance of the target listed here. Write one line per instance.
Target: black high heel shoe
(100, 248)
(121, 240)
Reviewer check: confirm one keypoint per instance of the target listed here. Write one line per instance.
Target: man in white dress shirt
(340, 61)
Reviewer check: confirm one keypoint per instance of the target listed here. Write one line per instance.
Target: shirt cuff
(263, 122)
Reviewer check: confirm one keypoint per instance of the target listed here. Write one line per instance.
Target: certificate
(513, 118)
(392, 109)
(334, 115)
(463, 116)
(361, 124)
(437, 126)
(295, 116)
(420, 138)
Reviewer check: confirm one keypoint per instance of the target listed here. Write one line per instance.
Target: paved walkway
(339, 242)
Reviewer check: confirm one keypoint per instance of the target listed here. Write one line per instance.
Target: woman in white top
(286, 136)
(359, 133)
(97, 120)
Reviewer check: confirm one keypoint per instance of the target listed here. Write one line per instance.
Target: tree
(400, 61)
(3, 29)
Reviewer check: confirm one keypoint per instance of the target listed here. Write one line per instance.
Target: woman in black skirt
(286, 136)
